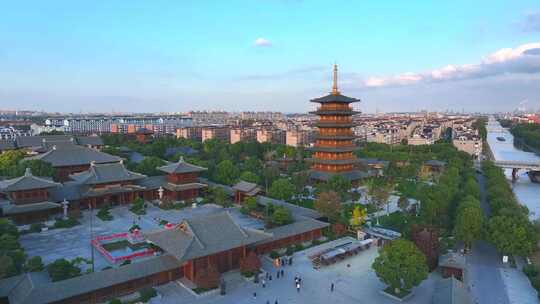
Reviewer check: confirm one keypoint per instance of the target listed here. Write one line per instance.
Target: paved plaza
(355, 284)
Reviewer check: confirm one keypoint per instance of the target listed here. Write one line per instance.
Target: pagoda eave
(349, 161)
(335, 112)
(334, 125)
(333, 149)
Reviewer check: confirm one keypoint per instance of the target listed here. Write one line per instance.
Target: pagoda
(334, 147)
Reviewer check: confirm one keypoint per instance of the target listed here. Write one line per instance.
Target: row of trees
(12, 164)
(509, 227)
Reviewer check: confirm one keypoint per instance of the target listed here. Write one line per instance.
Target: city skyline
(268, 55)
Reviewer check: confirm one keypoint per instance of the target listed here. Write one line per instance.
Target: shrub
(138, 207)
(147, 294)
(530, 270)
(274, 254)
(34, 264)
(104, 214)
(126, 262)
(35, 227)
(66, 223)
(290, 250)
(115, 301)
(62, 269)
(298, 247)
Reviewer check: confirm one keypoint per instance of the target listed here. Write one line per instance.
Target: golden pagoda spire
(335, 90)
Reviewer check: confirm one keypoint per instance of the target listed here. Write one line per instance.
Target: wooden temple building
(334, 147)
(182, 181)
(188, 250)
(30, 198)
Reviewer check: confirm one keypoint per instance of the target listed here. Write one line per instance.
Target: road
(484, 264)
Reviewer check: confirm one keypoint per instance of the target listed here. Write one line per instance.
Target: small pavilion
(182, 181)
(28, 197)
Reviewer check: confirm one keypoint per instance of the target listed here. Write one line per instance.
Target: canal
(501, 142)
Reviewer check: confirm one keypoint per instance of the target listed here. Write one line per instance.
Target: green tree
(270, 174)
(512, 234)
(6, 227)
(469, 223)
(250, 177)
(329, 205)
(282, 189)
(34, 264)
(7, 267)
(251, 203)
(9, 160)
(403, 203)
(148, 166)
(220, 196)
(38, 168)
(340, 185)
(300, 180)
(226, 172)
(281, 216)
(62, 269)
(401, 266)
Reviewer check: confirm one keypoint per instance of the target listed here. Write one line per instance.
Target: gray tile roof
(205, 235)
(351, 175)
(70, 191)
(25, 208)
(106, 173)
(152, 182)
(300, 225)
(74, 156)
(181, 167)
(26, 182)
(90, 140)
(182, 187)
(243, 186)
(452, 260)
(27, 291)
(450, 291)
(335, 98)
(296, 211)
(7, 145)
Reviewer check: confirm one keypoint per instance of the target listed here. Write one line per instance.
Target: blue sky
(87, 56)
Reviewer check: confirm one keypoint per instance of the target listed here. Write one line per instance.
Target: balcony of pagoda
(335, 110)
(328, 132)
(335, 119)
(333, 144)
(332, 168)
(334, 156)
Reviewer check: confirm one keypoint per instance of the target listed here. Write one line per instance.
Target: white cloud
(262, 42)
(522, 59)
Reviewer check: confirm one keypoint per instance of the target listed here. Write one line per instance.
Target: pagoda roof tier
(181, 167)
(183, 187)
(334, 149)
(335, 112)
(335, 98)
(332, 161)
(72, 155)
(335, 137)
(26, 182)
(349, 175)
(334, 124)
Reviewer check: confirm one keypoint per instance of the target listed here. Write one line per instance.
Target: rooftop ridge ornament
(335, 90)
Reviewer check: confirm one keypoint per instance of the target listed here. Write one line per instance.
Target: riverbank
(526, 192)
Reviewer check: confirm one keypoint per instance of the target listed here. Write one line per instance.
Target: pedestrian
(270, 278)
(264, 283)
(267, 275)
(277, 274)
(332, 287)
(254, 295)
(276, 302)
(282, 273)
(282, 262)
(290, 261)
(297, 287)
(299, 280)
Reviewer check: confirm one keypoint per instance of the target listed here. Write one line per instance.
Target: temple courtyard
(70, 243)
(354, 284)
